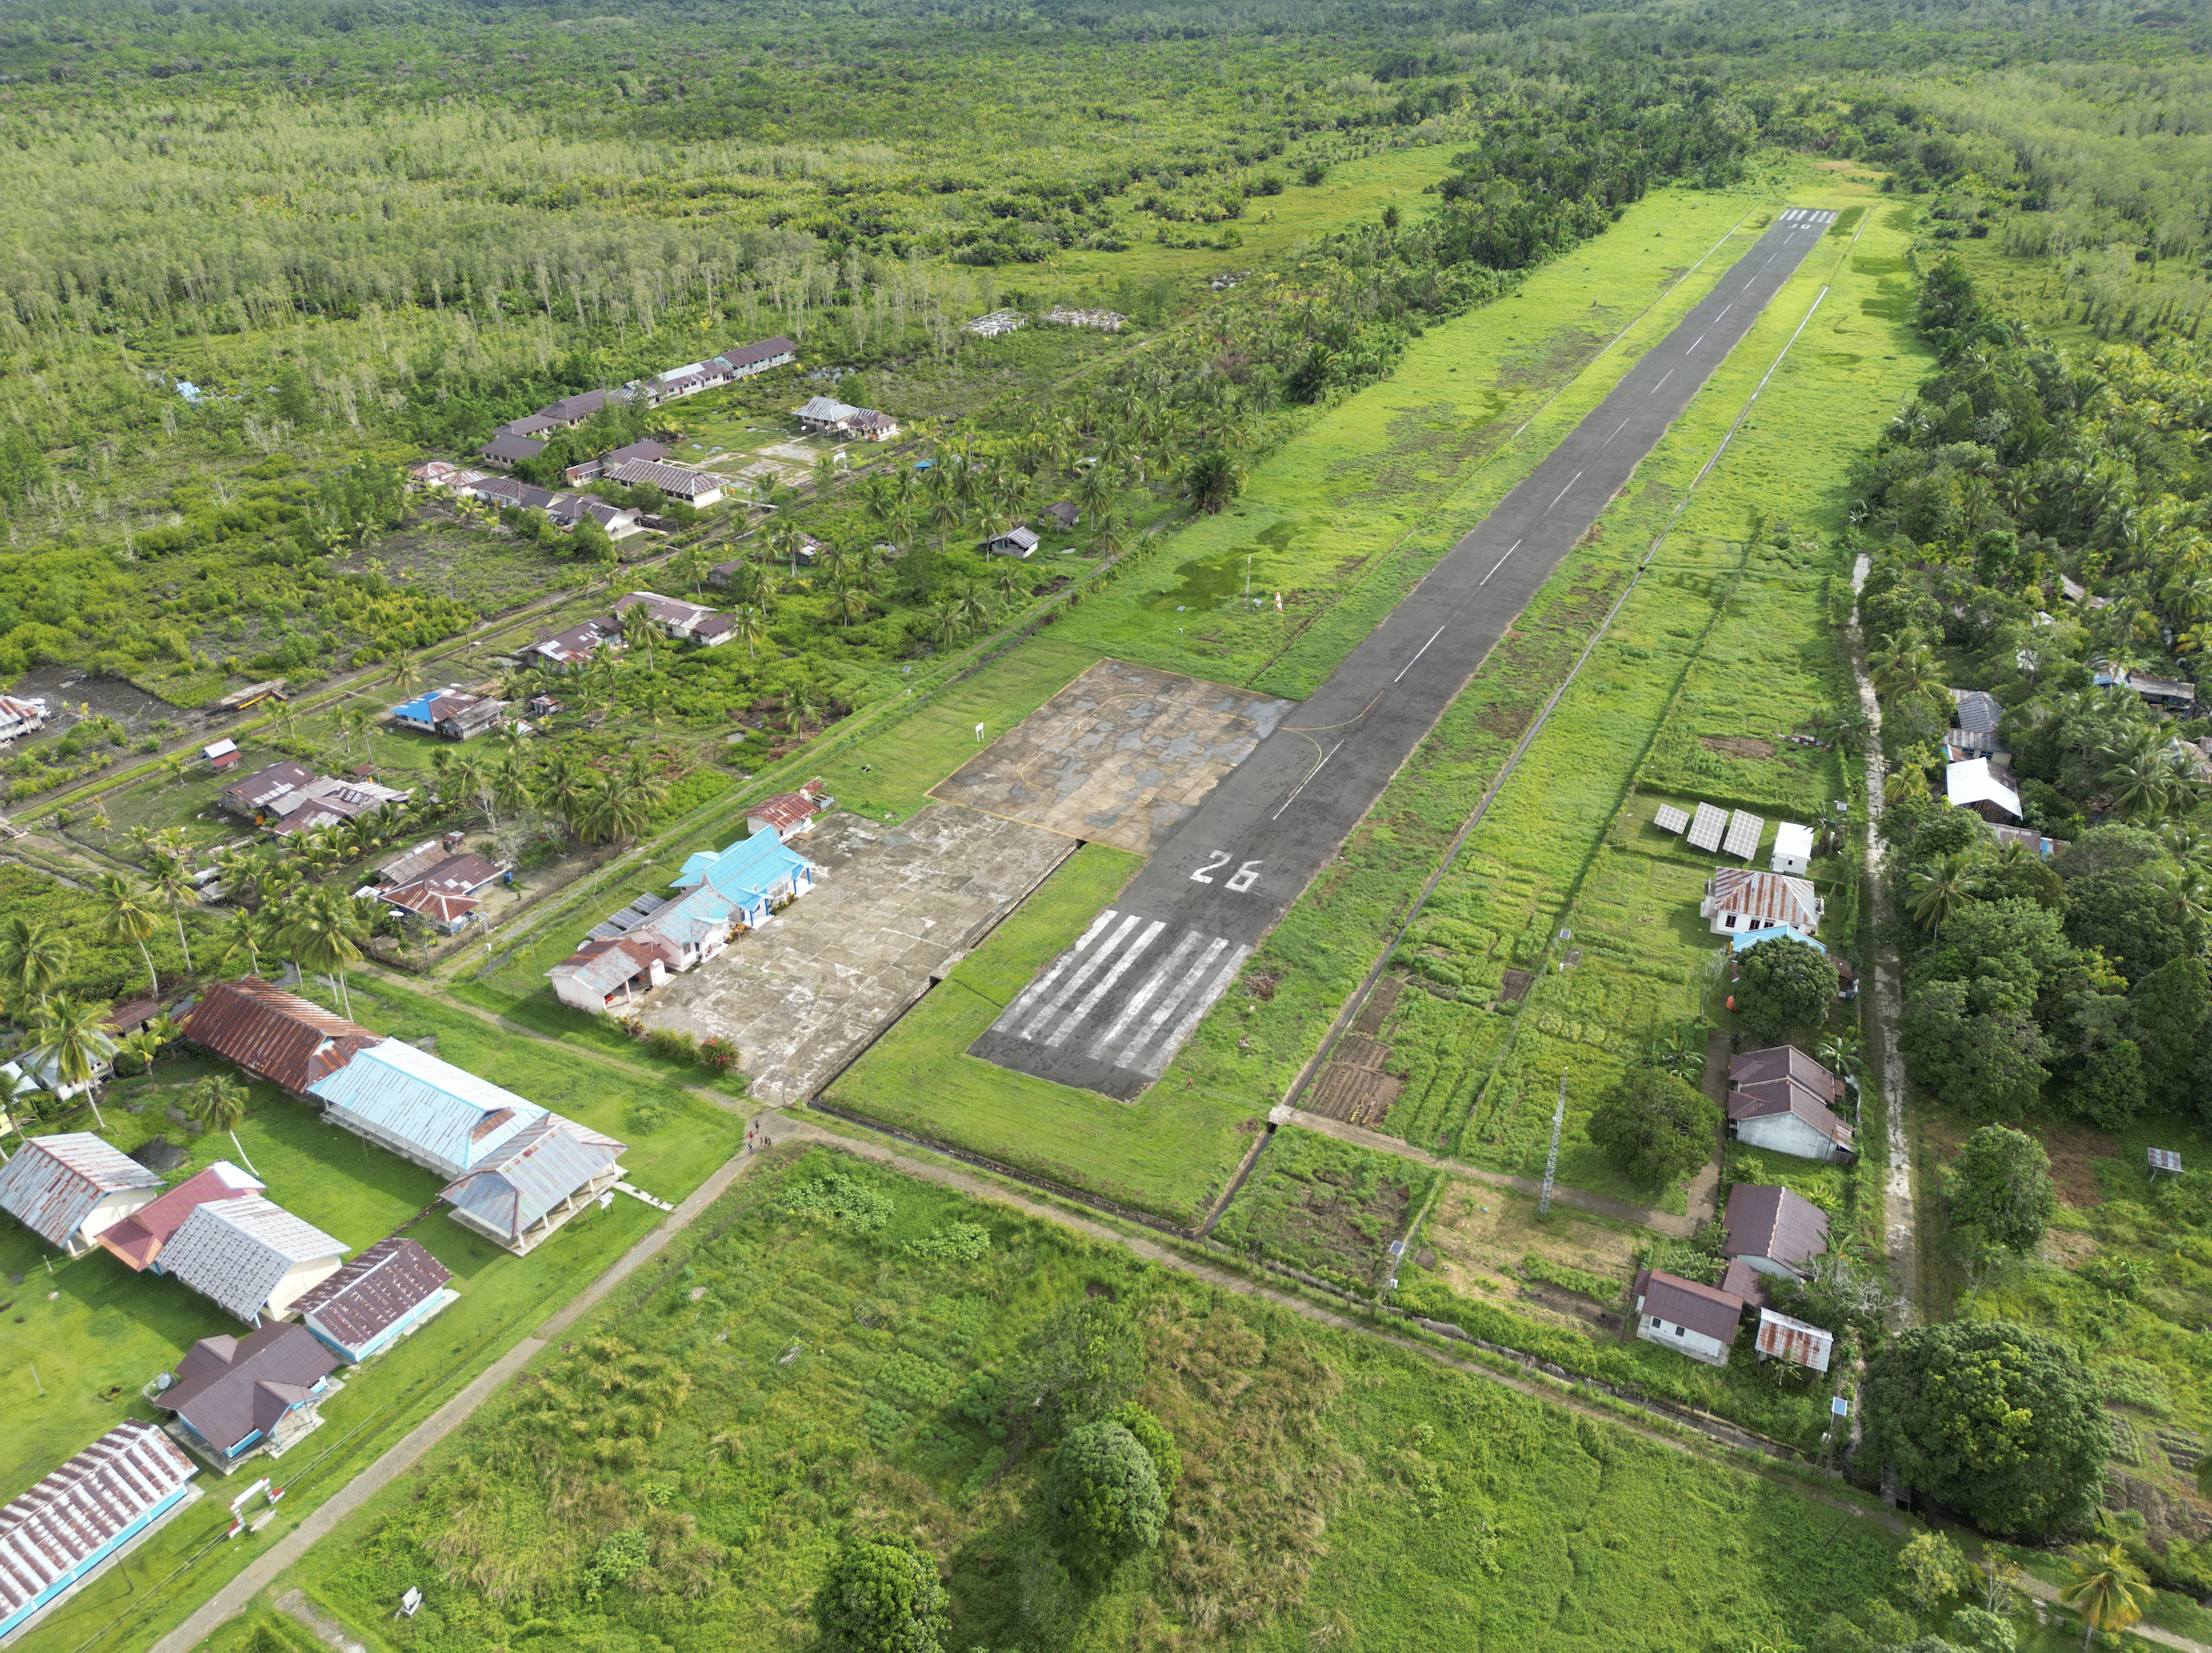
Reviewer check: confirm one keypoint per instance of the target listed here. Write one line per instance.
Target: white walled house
(1698, 1321)
(1792, 850)
(1773, 1229)
(1737, 899)
(1783, 1100)
(68, 1189)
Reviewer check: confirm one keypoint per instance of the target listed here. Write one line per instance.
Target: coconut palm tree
(129, 917)
(618, 807)
(940, 621)
(1941, 889)
(242, 936)
(468, 778)
(749, 627)
(1909, 668)
(218, 1102)
(560, 782)
(174, 884)
(407, 673)
(2143, 786)
(2108, 1590)
(69, 1040)
(319, 930)
(33, 957)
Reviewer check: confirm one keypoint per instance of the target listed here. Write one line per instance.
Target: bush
(716, 1053)
(1151, 1434)
(1105, 1498)
(670, 1046)
(881, 1595)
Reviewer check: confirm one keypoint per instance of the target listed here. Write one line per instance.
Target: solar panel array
(1670, 820)
(2164, 1159)
(1743, 835)
(1704, 832)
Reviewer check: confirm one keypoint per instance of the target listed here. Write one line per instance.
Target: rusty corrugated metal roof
(382, 1285)
(1783, 1338)
(274, 1034)
(51, 1186)
(77, 1513)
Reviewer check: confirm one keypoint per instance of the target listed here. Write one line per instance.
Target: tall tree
(129, 917)
(218, 1102)
(70, 1038)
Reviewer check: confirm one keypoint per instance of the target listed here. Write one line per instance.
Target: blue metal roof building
(423, 1110)
(537, 1182)
(756, 875)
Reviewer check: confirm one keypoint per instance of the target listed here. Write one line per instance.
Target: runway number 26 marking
(1240, 881)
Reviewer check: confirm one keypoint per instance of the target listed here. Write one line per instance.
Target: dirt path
(1900, 1226)
(1597, 1204)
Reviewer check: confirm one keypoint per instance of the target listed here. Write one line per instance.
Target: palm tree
(689, 566)
(2108, 1589)
(645, 640)
(974, 607)
(941, 620)
(848, 601)
(799, 710)
(1093, 491)
(945, 512)
(561, 786)
(2140, 785)
(175, 887)
(355, 721)
(1909, 669)
(405, 674)
(1942, 889)
(467, 778)
(33, 957)
(218, 1102)
(319, 930)
(242, 935)
(618, 807)
(129, 918)
(748, 627)
(1212, 479)
(69, 1039)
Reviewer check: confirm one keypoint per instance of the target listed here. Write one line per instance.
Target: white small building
(1738, 898)
(1974, 785)
(71, 1189)
(1792, 850)
(1698, 1321)
(250, 1256)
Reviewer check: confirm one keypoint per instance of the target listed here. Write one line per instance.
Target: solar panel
(1704, 832)
(1670, 820)
(1743, 835)
(2164, 1159)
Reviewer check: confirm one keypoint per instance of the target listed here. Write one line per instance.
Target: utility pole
(1551, 1160)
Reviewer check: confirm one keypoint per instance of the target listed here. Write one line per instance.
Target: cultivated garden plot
(1121, 756)
(801, 995)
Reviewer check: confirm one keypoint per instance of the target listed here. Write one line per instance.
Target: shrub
(839, 1196)
(1151, 1434)
(881, 1595)
(1105, 1498)
(670, 1046)
(716, 1053)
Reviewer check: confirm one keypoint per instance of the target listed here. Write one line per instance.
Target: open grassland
(1714, 623)
(836, 1378)
(1172, 1154)
(105, 1331)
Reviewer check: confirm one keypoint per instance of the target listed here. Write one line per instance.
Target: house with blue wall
(71, 1526)
(756, 875)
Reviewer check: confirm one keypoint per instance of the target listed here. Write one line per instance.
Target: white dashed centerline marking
(1556, 500)
(1423, 649)
(1499, 563)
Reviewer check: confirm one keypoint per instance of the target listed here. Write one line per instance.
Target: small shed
(222, 756)
(1792, 849)
(1783, 1338)
(1016, 542)
(1974, 785)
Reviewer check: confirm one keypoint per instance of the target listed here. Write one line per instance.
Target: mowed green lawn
(91, 1326)
(1172, 1152)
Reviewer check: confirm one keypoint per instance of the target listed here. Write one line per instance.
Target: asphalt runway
(1110, 1013)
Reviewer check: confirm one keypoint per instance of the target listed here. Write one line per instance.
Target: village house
(756, 874)
(19, 717)
(71, 1189)
(644, 448)
(36, 1070)
(236, 1397)
(1975, 785)
(1973, 731)
(510, 450)
(677, 482)
(249, 1256)
(575, 647)
(1783, 1100)
(424, 1110)
(823, 415)
(66, 1531)
(745, 360)
(535, 1182)
(382, 1296)
(445, 896)
(247, 798)
(1739, 898)
(689, 622)
(572, 411)
(570, 511)
(222, 756)
(325, 801)
(1064, 514)
(1773, 1229)
(609, 973)
(412, 864)
(1698, 1321)
(2170, 694)
(275, 1036)
(138, 1240)
(789, 814)
(1016, 542)
(449, 714)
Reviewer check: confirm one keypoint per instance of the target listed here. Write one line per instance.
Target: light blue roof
(418, 709)
(1773, 932)
(448, 1115)
(748, 870)
(691, 918)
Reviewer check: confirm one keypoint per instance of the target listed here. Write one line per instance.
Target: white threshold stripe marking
(1143, 995)
(1158, 1020)
(1030, 995)
(1557, 497)
(1081, 975)
(1317, 769)
(1089, 1001)
(1165, 1051)
(1499, 563)
(1423, 649)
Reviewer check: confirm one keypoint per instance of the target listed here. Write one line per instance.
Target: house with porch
(539, 1179)
(233, 1398)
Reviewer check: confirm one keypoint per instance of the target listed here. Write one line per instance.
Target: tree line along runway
(1110, 1013)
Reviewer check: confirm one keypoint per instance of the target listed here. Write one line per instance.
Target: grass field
(106, 1329)
(1170, 1152)
(1334, 1490)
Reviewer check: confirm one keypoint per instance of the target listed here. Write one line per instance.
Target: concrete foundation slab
(1121, 756)
(894, 907)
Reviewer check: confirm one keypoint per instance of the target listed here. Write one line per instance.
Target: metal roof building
(1774, 1229)
(71, 1189)
(377, 1299)
(274, 1034)
(250, 1255)
(755, 874)
(236, 1394)
(537, 1182)
(423, 1110)
(1783, 1338)
(139, 1238)
(74, 1521)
